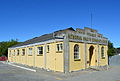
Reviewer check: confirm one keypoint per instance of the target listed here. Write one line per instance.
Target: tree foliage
(111, 49)
(5, 45)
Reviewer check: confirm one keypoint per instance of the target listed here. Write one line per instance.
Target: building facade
(63, 51)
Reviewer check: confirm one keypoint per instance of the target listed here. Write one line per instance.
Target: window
(10, 53)
(40, 50)
(59, 47)
(48, 48)
(18, 52)
(14, 53)
(76, 52)
(102, 52)
(30, 51)
(23, 51)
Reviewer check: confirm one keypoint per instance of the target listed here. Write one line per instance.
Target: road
(11, 73)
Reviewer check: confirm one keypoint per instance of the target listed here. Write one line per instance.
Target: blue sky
(25, 19)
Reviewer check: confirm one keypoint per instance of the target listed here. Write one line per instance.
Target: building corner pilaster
(66, 54)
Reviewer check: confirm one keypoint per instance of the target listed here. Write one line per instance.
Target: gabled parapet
(87, 35)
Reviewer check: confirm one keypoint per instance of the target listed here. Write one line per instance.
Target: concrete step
(99, 68)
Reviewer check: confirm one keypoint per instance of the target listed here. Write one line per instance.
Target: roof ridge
(41, 38)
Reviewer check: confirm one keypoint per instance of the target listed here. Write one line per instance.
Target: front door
(91, 56)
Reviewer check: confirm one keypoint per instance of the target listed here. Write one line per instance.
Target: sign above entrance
(88, 35)
(88, 39)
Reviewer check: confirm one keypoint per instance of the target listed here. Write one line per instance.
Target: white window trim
(14, 53)
(102, 52)
(10, 53)
(23, 52)
(40, 49)
(77, 52)
(30, 51)
(48, 48)
(18, 52)
(59, 47)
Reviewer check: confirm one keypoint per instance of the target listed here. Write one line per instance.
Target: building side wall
(29, 57)
(17, 57)
(23, 57)
(51, 60)
(54, 60)
(59, 61)
(50, 57)
(104, 61)
(9, 56)
(39, 59)
(94, 59)
(80, 64)
(19, 60)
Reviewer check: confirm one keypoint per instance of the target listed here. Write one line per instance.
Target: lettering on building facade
(88, 37)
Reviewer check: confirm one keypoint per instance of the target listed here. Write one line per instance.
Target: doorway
(91, 56)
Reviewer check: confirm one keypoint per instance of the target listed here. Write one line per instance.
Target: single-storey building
(64, 50)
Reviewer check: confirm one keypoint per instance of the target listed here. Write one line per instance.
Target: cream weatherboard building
(64, 50)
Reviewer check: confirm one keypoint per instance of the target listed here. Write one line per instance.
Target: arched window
(76, 52)
(102, 52)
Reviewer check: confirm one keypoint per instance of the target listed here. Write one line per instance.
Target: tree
(5, 45)
(111, 49)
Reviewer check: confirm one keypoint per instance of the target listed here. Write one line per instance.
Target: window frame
(40, 51)
(48, 48)
(23, 52)
(30, 50)
(59, 48)
(102, 52)
(76, 52)
(14, 53)
(10, 53)
(18, 52)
